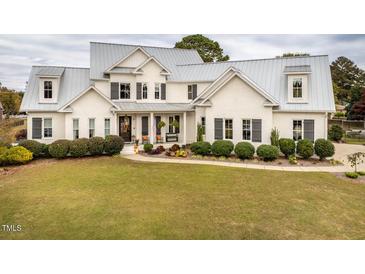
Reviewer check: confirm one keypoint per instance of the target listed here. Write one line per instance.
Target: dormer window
(297, 88)
(47, 89)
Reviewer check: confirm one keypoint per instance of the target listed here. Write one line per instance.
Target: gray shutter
(114, 91)
(256, 130)
(194, 91)
(163, 91)
(145, 125)
(218, 128)
(36, 128)
(309, 129)
(139, 91)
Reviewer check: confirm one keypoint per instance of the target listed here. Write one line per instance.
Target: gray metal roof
(155, 107)
(103, 55)
(300, 69)
(73, 82)
(51, 71)
(268, 74)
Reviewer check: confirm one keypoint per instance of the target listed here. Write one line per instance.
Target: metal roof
(103, 55)
(299, 69)
(51, 71)
(73, 82)
(154, 107)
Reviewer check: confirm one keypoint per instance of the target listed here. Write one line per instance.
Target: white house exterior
(128, 89)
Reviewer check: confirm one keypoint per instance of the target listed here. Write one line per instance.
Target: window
(107, 126)
(173, 129)
(246, 129)
(228, 123)
(157, 90)
(125, 91)
(203, 124)
(190, 92)
(297, 130)
(177, 119)
(297, 88)
(91, 127)
(75, 125)
(47, 128)
(144, 91)
(48, 89)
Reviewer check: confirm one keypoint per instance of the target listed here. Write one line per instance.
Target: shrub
(96, 145)
(244, 150)
(21, 134)
(175, 148)
(293, 160)
(79, 147)
(158, 150)
(113, 144)
(181, 153)
(59, 148)
(324, 148)
(268, 152)
(305, 148)
(18, 155)
(200, 132)
(335, 133)
(222, 148)
(339, 114)
(352, 175)
(287, 146)
(3, 154)
(361, 173)
(45, 152)
(201, 148)
(147, 148)
(274, 137)
(33, 146)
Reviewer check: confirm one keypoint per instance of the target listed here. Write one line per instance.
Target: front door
(125, 128)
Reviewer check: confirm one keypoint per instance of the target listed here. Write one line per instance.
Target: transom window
(91, 127)
(125, 91)
(47, 127)
(297, 130)
(246, 129)
(144, 91)
(157, 90)
(297, 88)
(228, 126)
(75, 128)
(47, 89)
(107, 126)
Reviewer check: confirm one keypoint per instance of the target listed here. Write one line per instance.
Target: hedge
(79, 147)
(35, 147)
(305, 148)
(113, 144)
(201, 148)
(222, 148)
(96, 145)
(268, 152)
(244, 150)
(59, 148)
(324, 148)
(287, 146)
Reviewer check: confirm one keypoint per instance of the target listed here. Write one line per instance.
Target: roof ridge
(248, 60)
(54, 66)
(136, 45)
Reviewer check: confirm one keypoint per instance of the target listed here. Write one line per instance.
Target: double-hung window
(144, 91)
(190, 92)
(75, 128)
(47, 89)
(106, 127)
(297, 88)
(172, 121)
(228, 129)
(125, 91)
(246, 129)
(297, 130)
(91, 127)
(203, 124)
(47, 127)
(157, 90)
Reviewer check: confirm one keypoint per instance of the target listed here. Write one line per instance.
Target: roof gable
(127, 58)
(164, 71)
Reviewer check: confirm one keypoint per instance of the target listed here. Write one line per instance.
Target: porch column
(184, 125)
(151, 127)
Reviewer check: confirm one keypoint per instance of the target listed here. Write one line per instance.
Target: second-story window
(48, 89)
(125, 91)
(144, 91)
(157, 90)
(190, 92)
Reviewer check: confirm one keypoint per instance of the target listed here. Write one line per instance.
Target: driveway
(342, 150)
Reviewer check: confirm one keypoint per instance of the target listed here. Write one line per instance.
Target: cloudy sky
(19, 52)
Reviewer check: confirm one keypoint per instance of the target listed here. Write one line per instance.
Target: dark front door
(125, 128)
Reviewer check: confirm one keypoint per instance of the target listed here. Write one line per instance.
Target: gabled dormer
(297, 78)
(49, 83)
(131, 60)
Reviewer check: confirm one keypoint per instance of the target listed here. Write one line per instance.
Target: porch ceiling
(153, 107)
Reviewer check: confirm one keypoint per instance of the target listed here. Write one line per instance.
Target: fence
(347, 125)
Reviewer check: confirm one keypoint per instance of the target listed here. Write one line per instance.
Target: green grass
(114, 198)
(354, 141)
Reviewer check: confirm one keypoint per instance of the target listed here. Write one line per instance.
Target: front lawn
(115, 198)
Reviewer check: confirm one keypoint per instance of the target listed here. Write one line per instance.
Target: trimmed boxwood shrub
(201, 148)
(79, 147)
(305, 148)
(335, 133)
(287, 146)
(33, 146)
(222, 148)
(96, 145)
(352, 175)
(147, 148)
(59, 148)
(244, 150)
(18, 155)
(268, 152)
(113, 144)
(324, 148)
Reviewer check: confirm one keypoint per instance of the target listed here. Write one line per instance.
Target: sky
(19, 52)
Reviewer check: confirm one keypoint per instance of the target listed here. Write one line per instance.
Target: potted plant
(160, 125)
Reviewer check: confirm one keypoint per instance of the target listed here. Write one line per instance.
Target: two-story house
(129, 89)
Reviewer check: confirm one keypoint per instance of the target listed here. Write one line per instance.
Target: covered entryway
(125, 128)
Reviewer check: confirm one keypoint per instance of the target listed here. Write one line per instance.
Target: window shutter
(218, 128)
(36, 128)
(163, 91)
(309, 129)
(256, 130)
(194, 91)
(139, 91)
(145, 125)
(114, 91)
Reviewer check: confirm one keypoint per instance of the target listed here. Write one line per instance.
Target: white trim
(224, 129)
(43, 127)
(124, 58)
(136, 70)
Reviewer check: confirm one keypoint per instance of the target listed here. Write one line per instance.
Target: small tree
(200, 133)
(161, 124)
(356, 159)
(274, 138)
